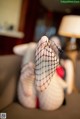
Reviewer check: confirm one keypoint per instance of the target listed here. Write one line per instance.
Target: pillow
(22, 48)
(26, 50)
(29, 55)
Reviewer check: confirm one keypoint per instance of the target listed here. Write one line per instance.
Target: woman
(52, 96)
(51, 93)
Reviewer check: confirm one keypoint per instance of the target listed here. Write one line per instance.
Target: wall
(10, 12)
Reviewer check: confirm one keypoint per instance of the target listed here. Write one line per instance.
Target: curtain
(31, 17)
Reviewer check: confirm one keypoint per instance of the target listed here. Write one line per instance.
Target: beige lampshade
(70, 26)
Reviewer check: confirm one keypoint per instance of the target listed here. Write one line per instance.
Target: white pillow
(29, 55)
(20, 49)
(27, 51)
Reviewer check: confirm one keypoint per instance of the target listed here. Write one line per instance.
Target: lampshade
(70, 26)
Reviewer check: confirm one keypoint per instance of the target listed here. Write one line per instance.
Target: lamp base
(78, 55)
(71, 46)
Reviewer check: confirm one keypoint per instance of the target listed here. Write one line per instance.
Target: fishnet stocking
(46, 62)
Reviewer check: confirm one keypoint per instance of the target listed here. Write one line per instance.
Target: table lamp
(70, 27)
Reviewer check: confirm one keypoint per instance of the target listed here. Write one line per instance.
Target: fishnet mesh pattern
(52, 97)
(46, 62)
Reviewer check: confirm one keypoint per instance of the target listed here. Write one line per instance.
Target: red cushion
(60, 71)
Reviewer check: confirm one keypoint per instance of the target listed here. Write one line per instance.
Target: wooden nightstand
(73, 56)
